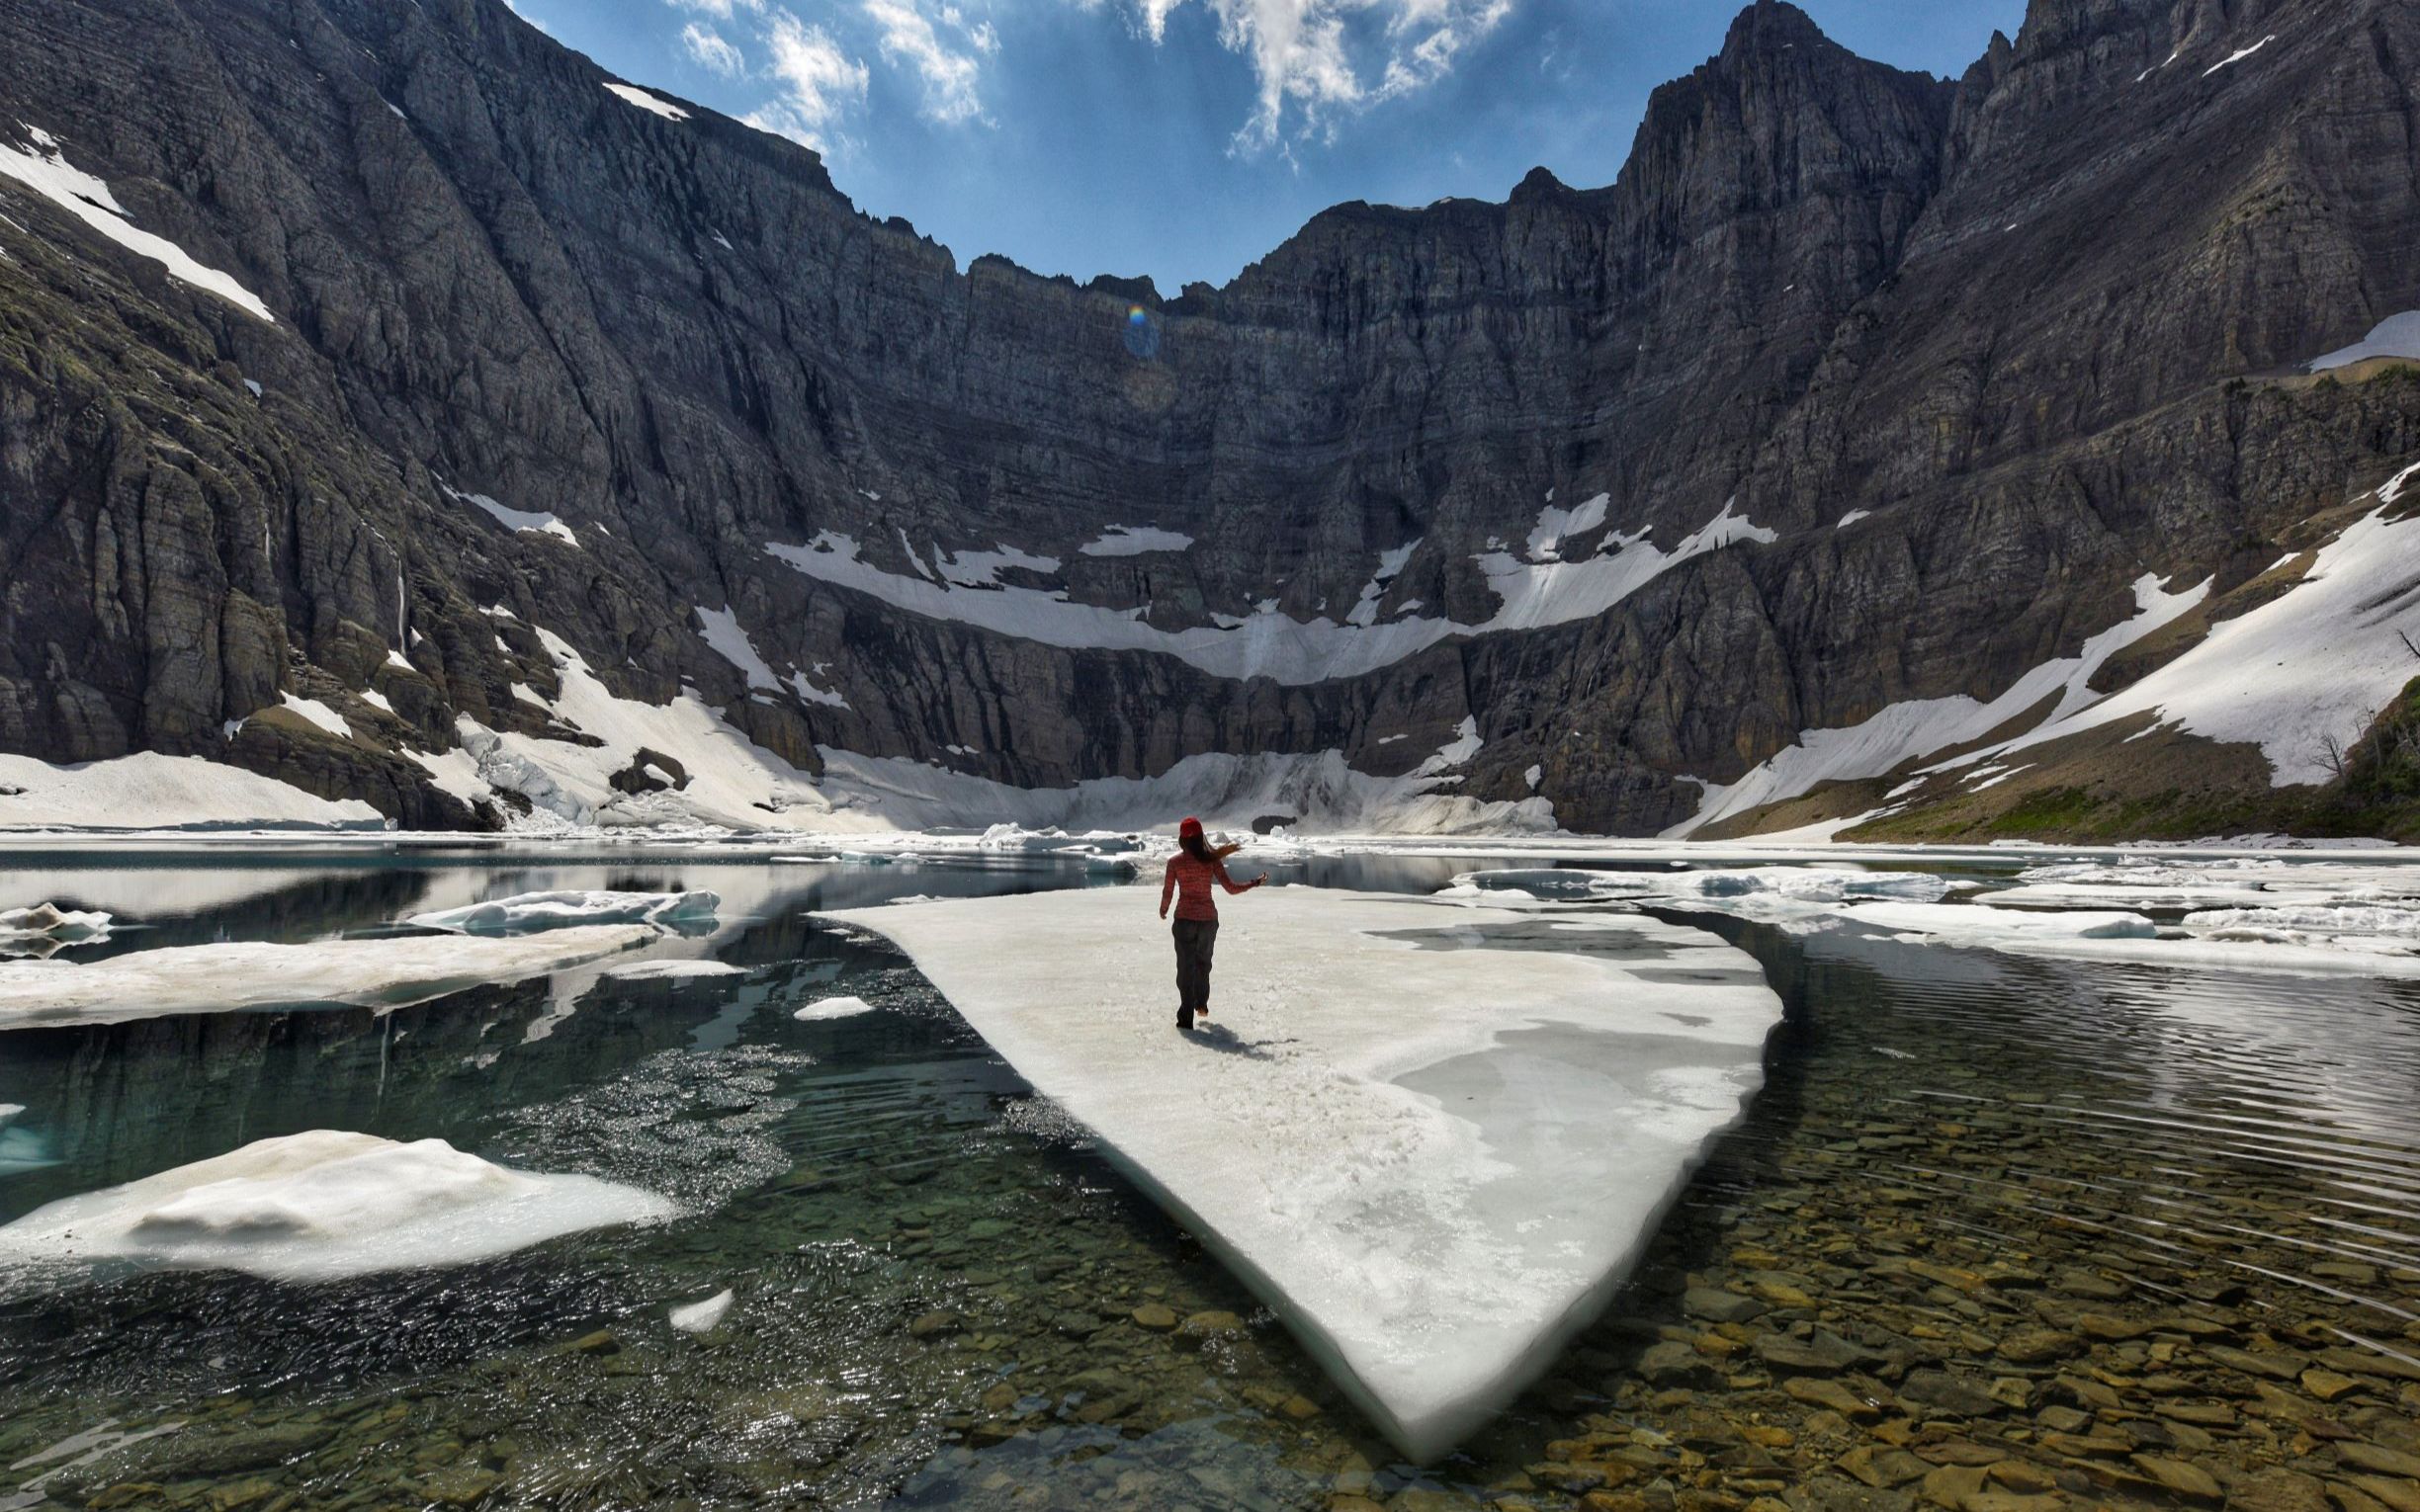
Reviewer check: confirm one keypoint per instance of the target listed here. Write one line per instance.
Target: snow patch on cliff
(1135, 540)
(1266, 644)
(2395, 336)
(42, 167)
(531, 521)
(630, 94)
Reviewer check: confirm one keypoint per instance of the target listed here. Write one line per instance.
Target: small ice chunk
(525, 912)
(833, 1008)
(321, 1205)
(48, 921)
(702, 1316)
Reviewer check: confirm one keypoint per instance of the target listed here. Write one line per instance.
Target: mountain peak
(1771, 26)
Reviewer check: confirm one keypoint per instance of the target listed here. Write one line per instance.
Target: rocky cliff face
(485, 444)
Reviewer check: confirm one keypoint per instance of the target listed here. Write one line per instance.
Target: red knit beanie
(1189, 829)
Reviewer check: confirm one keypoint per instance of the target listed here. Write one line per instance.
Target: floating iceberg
(310, 1207)
(48, 921)
(526, 912)
(673, 970)
(1433, 1136)
(1733, 891)
(210, 978)
(702, 1316)
(833, 1008)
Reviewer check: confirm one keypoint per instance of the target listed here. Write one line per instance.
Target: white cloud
(819, 82)
(720, 9)
(949, 75)
(1314, 58)
(708, 49)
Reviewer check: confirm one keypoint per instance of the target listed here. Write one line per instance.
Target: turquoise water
(938, 1278)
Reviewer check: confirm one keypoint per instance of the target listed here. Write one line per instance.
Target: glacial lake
(2005, 1229)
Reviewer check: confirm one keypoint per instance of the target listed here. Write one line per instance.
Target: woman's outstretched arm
(1230, 883)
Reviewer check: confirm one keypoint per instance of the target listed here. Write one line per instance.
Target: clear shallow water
(1991, 1211)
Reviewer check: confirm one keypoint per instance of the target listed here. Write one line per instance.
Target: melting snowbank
(1903, 731)
(1226, 790)
(152, 792)
(530, 912)
(321, 1205)
(1433, 1138)
(212, 979)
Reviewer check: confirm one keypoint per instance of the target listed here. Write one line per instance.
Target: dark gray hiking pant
(1195, 939)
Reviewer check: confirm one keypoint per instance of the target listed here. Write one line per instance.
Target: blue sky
(1184, 138)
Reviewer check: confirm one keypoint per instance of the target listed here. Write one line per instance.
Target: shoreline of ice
(235, 976)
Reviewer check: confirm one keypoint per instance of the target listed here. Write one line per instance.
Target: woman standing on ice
(1191, 872)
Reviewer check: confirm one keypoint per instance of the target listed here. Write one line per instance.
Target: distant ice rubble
(1431, 1138)
(319, 1206)
(2299, 918)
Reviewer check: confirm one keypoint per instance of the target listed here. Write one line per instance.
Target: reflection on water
(1998, 1227)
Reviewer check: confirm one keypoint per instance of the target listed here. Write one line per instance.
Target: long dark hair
(1198, 847)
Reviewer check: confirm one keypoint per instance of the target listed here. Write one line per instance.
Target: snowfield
(318, 1205)
(151, 791)
(1433, 1136)
(1544, 589)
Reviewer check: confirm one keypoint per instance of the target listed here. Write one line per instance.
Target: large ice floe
(530, 912)
(321, 1205)
(1431, 1135)
(240, 974)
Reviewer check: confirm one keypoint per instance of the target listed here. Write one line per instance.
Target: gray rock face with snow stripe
(2028, 320)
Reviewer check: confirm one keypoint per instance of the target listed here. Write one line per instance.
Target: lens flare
(1141, 336)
